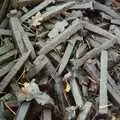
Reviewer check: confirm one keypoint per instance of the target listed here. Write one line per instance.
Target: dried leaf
(67, 87)
(113, 118)
(71, 112)
(35, 19)
(2, 116)
(25, 89)
(67, 76)
(31, 91)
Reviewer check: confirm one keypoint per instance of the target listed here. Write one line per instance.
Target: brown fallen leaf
(26, 88)
(35, 19)
(31, 91)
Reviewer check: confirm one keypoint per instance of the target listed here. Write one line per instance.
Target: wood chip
(84, 115)
(76, 90)
(17, 35)
(6, 48)
(96, 51)
(76, 25)
(21, 114)
(47, 114)
(55, 11)
(37, 67)
(107, 10)
(20, 35)
(103, 84)
(35, 10)
(4, 70)
(67, 54)
(8, 56)
(98, 30)
(83, 6)
(57, 29)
